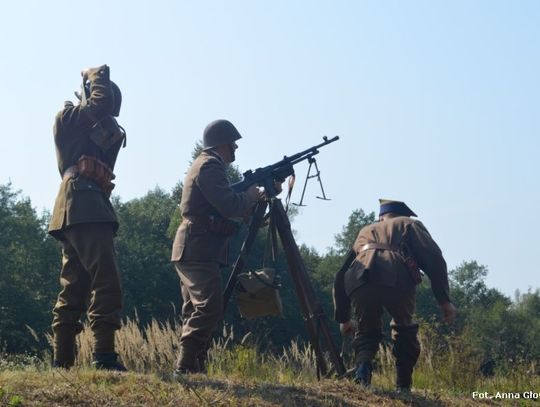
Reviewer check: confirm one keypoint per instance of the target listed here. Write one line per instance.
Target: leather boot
(363, 374)
(404, 378)
(64, 347)
(107, 361)
(187, 361)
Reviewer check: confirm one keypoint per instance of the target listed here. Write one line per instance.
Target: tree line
(496, 330)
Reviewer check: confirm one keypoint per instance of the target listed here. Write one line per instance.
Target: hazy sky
(436, 104)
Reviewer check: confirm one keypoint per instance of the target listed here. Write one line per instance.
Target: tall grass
(446, 363)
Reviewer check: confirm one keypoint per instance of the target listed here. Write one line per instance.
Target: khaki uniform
(379, 279)
(84, 221)
(199, 250)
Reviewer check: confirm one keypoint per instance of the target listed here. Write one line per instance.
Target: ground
(87, 387)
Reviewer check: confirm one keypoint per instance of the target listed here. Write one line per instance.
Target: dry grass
(240, 375)
(86, 387)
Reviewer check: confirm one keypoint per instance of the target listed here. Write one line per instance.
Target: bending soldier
(200, 245)
(384, 275)
(88, 139)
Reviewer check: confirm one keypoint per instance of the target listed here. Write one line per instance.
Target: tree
(29, 264)
(151, 287)
(357, 220)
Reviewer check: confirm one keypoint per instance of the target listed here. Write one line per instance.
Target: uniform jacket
(81, 200)
(206, 193)
(387, 267)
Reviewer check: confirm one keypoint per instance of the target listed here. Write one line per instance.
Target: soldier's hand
(85, 73)
(278, 186)
(346, 328)
(253, 193)
(448, 311)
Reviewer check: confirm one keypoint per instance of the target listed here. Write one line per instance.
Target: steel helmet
(219, 132)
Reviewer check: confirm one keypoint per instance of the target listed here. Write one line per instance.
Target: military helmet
(219, 132)
(397, 207)
(117, 99)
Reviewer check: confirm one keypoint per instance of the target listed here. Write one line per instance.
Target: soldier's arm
(100, 102)
(214, 185)
(430, 259)
(342, 304)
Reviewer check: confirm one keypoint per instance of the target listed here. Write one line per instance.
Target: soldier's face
(231, 149)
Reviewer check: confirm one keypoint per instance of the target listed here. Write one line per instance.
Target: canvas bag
(257, 293)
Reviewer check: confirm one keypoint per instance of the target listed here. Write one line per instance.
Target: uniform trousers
(202, 293)
(91, 283)
(368, 302)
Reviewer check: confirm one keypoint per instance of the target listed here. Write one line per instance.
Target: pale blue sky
(436, 103)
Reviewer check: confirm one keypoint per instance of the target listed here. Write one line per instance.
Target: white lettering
(503, 395)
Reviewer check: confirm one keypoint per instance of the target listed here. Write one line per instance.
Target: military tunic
(379, 279)
(85, 223)
(81, 200)
(198, 250)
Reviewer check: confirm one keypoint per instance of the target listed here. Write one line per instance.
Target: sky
(436, 104)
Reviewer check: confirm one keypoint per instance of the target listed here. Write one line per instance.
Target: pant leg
(95, 247)
(366, 302)
(203, 297)
(406, 348)
(72, 302)
(187, 306)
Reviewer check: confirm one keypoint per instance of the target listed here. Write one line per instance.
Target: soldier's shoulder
(205, 159)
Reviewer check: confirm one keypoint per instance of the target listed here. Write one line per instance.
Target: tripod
(312, 311)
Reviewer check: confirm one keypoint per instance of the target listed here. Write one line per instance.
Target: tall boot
(363, 373)
(406, 350)
(107, 361)
(104, 356)
(187, 361)
(64, 346)
(404, 378)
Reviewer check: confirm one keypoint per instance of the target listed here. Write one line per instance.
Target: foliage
(150, 283)
(492, 330)
(357, 220)
(28, 271)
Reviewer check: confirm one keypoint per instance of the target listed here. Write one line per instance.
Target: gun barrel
(282, 167)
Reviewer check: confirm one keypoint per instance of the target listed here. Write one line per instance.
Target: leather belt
(198, 219)
(70, 172)
(378, 246)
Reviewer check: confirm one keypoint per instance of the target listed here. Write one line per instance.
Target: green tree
(151, 287)
(29, 264)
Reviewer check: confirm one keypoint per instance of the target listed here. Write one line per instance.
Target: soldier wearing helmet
(88, 139)
(200, 245)
(384, 275)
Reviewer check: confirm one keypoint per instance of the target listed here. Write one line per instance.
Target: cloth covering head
(397, 207)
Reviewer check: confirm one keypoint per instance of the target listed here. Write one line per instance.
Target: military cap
(219, 132)
(397, 207)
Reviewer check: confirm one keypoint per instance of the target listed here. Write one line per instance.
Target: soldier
(384, 275)
(87, 140)
(200, 245)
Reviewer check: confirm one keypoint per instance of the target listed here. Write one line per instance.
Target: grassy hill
(87, 387)
(240, 374)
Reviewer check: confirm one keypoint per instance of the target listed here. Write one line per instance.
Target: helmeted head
(218, 133)
(397, 207)
(117, 99)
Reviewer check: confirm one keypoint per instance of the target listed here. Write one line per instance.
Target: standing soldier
(200, 245)
(384, 275)
(88, 139)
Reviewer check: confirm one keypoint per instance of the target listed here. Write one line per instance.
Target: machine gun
(312, 311)
(265, 176)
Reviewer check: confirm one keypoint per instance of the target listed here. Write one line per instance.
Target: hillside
(87, 387)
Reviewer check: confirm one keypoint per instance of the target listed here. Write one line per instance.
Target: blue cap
(397, 207)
